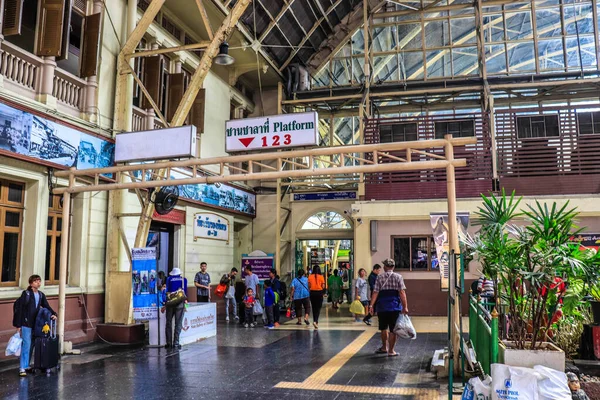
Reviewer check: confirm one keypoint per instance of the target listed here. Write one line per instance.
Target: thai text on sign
(276, 131)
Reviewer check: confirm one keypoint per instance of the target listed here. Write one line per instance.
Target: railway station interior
(453, 142)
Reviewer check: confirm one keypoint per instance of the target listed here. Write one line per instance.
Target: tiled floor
(296, 362)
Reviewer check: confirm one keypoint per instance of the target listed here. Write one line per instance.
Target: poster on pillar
(441, 236)
(143, 280)
(272, 132)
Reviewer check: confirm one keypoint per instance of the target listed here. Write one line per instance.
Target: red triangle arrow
(246, 141)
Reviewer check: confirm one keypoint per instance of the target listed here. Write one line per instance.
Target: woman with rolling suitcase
(26, 309)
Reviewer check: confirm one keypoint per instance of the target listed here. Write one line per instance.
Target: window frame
(449, 121)
(430, 241)
(54, 212)
(592, 113)
(16, 207)
(404, 133)
(520, 137)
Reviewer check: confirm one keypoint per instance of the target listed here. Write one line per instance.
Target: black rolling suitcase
(46, 350)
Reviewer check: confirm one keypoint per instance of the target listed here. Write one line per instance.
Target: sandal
(298, 323)
(392, 354)
(381, 350)
(306, 322)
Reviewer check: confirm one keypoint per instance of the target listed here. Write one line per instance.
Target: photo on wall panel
(15, 126)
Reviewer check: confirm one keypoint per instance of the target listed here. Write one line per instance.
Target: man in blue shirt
(175, 282)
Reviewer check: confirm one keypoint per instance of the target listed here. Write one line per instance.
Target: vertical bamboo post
(64, 257)
(278, 193)
(453, 231)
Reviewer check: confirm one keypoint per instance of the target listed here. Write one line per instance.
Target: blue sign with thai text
(325, 196)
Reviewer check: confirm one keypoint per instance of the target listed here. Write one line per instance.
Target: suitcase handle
(53, 329)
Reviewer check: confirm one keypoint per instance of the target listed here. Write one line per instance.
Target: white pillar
(47, 82)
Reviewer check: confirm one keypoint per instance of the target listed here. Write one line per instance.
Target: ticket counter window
(414, 253)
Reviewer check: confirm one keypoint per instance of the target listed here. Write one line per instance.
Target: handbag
(175, 298)
(221, 289)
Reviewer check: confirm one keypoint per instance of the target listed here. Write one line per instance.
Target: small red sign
(176, 217)
(246, 141)
(596, 336)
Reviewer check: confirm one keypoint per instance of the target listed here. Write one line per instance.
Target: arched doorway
(326, 238)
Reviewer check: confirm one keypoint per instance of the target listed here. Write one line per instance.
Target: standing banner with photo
(145, 299)
(441, 237)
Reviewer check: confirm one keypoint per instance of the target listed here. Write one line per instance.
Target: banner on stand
(145, 298)
(441, 237)
(260, 265)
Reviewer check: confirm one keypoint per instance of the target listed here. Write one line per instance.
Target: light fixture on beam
(223, 58)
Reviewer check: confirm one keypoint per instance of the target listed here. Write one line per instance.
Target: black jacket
(29, 311)
(372, 278)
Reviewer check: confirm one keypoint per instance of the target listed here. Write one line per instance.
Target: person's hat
(175, 272)
(572, 377)
(388, 262)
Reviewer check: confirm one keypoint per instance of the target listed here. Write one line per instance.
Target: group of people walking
(383, 292)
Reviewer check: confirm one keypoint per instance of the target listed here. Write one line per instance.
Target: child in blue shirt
(269, 303)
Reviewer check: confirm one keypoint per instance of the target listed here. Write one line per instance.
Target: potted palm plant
(532, 265)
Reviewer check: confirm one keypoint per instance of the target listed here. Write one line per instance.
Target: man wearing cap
(175, 282)
(389, 294)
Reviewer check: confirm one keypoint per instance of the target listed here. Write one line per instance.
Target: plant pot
(547, 355)
(596, 311)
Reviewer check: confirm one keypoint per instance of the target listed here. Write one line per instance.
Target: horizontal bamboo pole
(147, 53)
(387, 167)
(319, 151)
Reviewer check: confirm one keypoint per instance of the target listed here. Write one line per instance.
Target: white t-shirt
(362, 286)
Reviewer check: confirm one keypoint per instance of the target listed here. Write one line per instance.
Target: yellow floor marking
(419, 393)
(331, 367)
(318, 380)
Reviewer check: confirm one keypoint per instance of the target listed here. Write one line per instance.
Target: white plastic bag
(404, 328)
(552, 384)
(258, 310)
(14, 346)
(477, 389)
(514, 383)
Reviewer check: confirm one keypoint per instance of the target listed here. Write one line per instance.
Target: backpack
(282, 290)
(42, 323)
(276, 297)
(18, 307)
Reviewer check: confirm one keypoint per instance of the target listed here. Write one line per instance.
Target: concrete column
(47, 82)
(90, 108)
(150, 119)
(177, 65)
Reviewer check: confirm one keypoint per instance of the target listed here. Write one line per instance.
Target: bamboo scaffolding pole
(319, 151)
(367, 169)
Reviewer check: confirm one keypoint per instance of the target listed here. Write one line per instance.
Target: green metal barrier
(483, 334)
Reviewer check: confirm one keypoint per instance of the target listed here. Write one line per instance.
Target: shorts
(387, 320)
(298, 304)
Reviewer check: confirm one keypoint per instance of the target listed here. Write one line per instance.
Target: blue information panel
(325, 196)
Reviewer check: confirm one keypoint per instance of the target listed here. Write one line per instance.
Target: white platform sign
(158, 144)
(211, 226)
(272, 132)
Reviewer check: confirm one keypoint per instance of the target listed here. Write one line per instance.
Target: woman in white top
(361, 292)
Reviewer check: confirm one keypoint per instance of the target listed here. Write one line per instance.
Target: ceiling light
(223, 58)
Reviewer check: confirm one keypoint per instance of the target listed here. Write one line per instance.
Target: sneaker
(227, 319)
(270, 327)
(22, 372)
(253, 324)
(276, 324)
(245, 325)
(237, 318)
